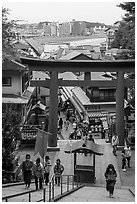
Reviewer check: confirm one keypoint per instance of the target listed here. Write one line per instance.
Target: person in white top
(128, 154)
(47, 168)
(38, 171)
(115, 142)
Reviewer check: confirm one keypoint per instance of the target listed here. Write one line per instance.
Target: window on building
(95, 92)
(6, 81)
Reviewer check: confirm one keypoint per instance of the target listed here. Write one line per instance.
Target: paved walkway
(67, 161)
(97, 193)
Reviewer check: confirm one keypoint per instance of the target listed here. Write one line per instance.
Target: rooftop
(13, 65)
(12, 98)
(72, 55)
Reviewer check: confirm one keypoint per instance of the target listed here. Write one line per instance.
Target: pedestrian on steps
(110, 175)
(60, 123)
(38, 171)
(26, 167)
(128, 154)
(124, 160)
(47, 168)
(58, 170)
(115, 142)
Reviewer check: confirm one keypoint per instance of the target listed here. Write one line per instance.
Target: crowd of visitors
(41, 172)
(81, 130)
(80, 126)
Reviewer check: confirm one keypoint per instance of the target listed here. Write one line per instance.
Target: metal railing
(68, 183)
(7, 198)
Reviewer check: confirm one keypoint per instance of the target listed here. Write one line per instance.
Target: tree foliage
(125, 36)
(11, 120)
(8, 35)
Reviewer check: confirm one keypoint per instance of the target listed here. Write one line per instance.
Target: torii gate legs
(120, 125)
(53, 109)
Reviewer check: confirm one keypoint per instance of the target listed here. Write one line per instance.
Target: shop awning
(97, 114)
(28, 92)
(81, 95)
(77, 107)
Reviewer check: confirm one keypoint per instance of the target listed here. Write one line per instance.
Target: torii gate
(55, 66)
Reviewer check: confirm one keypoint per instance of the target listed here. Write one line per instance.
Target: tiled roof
(13, 65)
(81, 95)
(85, 52)
(21, 46)
(12, 98)
(90, 146)
(97, 114)
(40, 75)
(35, 45)
(68, 76)
(73, 55)
(28, 92)
(95, 76)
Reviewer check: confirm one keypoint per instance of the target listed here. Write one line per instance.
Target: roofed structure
(73, 55)
(12, 65)
(14, 99)
(38, 48)
(84, 146)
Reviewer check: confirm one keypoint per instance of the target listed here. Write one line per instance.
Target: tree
(11, 120)
(8, 36)
(125, 36)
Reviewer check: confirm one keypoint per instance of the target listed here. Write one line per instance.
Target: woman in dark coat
(26, 167)
(110, 176)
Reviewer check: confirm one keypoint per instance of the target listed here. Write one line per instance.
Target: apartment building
(78, 27)
(15, 87)
(111, 32)
(65, 29)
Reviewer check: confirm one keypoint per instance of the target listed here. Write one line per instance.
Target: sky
(60, 11)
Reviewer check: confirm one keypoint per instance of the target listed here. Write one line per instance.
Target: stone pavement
(35, 196)
(96, 192)
(68, 159)
(121, 194)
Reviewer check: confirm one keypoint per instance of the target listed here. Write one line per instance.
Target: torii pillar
(53, 111)
(120, 126)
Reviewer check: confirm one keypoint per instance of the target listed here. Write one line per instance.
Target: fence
(67, 184)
